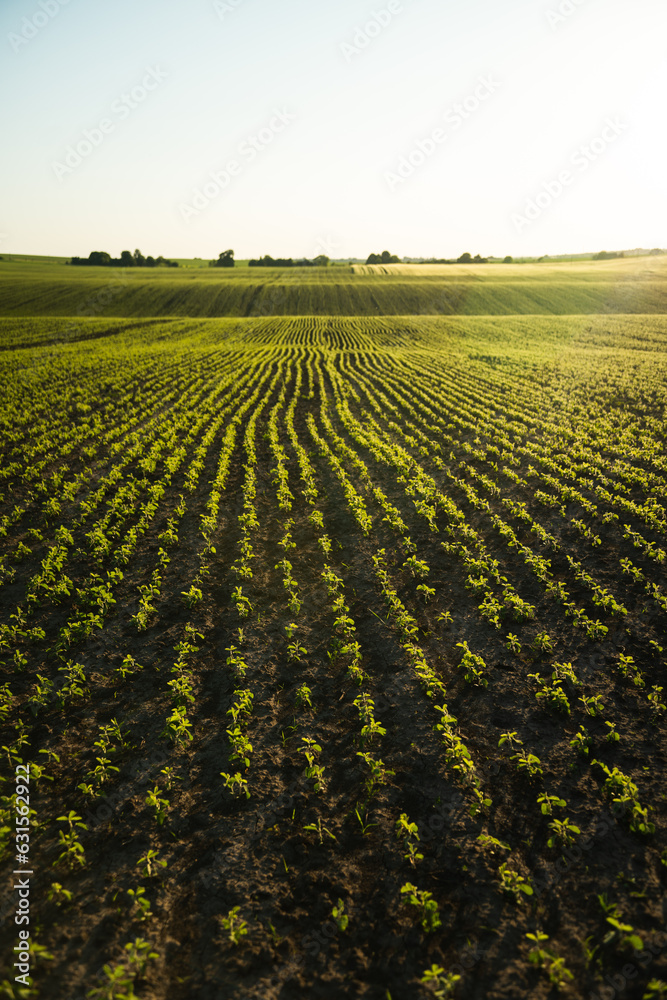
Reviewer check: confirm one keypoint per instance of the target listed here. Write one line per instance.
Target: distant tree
(656, 252)
(321, 261)
(479, 260)
(465, 258)
(508, 260)
(99, 258)
(268, 261)
(225, 259)
(383, 258)
(608, 255)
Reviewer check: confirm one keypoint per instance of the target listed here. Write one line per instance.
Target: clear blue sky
(327, 113)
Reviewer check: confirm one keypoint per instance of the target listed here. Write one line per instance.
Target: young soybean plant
(313, 770)
(441, 983)
(429, 916)
(408, 832)
(73, 851)
(340, 916)
(542, 958)
(564, 832)
(235, 926)
(547, 803)
(303, 696)
(473, 666)
(236, 783)
(150, 864)
(417, 566)
(514, 884)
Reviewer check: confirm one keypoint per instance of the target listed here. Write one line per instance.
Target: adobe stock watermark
(31, 26)
(326, 245)
(365, 33)
(92, 307)
(566, 8)
(454, 117)
(247, 151)
(121, 109)
(581, 159)
(225, 7)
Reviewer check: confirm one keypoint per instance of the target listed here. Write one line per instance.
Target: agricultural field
(631, 285)
(333, 646)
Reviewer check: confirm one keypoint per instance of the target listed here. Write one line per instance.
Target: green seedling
(303, 696)
(417, 567)
(512, 739)
(513, 644)
(564, 832)
(365, 827)
(159, 805)
(192, 597)
(427, 906)
(341, 918)
(440, 983)
(581, 742)
(236, 783)
(529, 763)
(150, 864)
(319, 830)
(235, 927)
(538, 956)
(73, 852)
(656, 989)
(473, 666)
(623, 934)
(492, 843)
(513, 884)
(58, 895)
(295, 652)
(313, 770)
(612, 736)
(565, 673)
(140, 903)
(408, 832)
(593, 704)
(548, 803)
(542, 643)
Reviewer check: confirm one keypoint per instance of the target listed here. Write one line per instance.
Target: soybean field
(333, 646)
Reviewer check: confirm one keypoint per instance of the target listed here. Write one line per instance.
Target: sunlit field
(632, 285)
(333, 616)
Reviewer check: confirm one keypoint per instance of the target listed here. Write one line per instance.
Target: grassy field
(637, 285)
(334, 646)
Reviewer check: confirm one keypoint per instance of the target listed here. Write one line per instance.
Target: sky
(425, 127)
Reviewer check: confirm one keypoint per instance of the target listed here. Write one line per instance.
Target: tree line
(100, 258)
(267, 261)
(388, 258)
